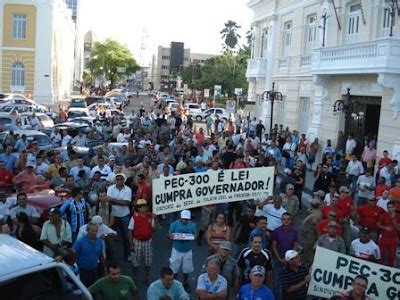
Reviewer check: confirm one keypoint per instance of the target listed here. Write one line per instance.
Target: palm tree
(230, 36)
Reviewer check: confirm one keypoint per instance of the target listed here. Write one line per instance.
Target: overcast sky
(197, 23)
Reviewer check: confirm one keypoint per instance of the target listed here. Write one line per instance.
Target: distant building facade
(37, 49)
(171, 60)
(314, 50)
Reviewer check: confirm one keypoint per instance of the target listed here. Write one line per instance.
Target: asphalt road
(161, 244)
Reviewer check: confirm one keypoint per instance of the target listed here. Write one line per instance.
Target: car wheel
(199, 118)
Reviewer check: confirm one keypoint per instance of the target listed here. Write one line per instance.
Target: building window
(264, 43)
(18, 75)
(311, 31)
(287, 38)
(19, 26)
(387, 20)
(353, 23)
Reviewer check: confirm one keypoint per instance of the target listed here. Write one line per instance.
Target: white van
(26, 273)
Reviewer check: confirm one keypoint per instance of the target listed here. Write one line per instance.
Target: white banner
(206, 93)
(217, 90)
(179, 192)
(333, 272)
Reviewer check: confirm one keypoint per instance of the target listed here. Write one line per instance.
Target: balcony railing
(256, 67)
(305, 60)
(372, 57)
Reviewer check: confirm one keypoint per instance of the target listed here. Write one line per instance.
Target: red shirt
(383, 162)
(143, 226)
(386, 219)
(143, 192)
(394, 194)
(322, 228)
(327, 209)
(345, 204)
(5, 180)
(369, 215)
(380, 188)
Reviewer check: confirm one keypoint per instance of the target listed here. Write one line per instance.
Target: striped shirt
(76, 212)
(290, 278)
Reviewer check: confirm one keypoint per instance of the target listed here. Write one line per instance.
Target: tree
(108, 57)
(230, 36)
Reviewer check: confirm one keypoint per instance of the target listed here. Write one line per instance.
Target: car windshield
(7, 108)
(78, 103)
(75, 114)
(42, 140)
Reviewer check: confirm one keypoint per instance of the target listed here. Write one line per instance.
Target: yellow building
(37, 46)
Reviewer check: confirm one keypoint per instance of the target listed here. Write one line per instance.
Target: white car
(43, 140)
(222, 113)
(7, 97)
(75, 112)
(26, 273)
(193, 109)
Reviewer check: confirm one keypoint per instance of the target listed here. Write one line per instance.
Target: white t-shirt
(131, 225)
(383, 203)
(121, 138)
(125, 193)
(105, 171)
(30, 211)
(273, 215)
(365, 250)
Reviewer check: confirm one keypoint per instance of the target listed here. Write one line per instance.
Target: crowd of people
(258, 249)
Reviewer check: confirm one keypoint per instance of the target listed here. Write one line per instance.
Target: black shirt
(248, 259)
(290, 278)
(246, 229)
(228, 157)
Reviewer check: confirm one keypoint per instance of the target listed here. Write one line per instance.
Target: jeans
(88, 277)
(122, 224)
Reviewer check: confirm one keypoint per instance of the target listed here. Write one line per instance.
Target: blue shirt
(88, 252)
(179, 227)
(204, 283)
(259, 232)
(75, 170)
(247, 293)
(157, 290)
(20, 145)
(76, 212)
(9, 160)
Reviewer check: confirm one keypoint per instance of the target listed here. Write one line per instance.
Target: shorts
(184, 259)
(143, 253)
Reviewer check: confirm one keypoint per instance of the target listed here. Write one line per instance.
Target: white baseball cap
(290, 254)
(185, 214)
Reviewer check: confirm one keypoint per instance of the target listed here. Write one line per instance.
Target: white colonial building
(314, 50)
(36, 49)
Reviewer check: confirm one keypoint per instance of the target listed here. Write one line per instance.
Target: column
(392, 81)
(320, 96)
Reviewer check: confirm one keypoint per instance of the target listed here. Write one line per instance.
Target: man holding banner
(182, 233)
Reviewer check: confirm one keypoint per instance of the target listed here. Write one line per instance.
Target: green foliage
(230, 36)
(108, 56)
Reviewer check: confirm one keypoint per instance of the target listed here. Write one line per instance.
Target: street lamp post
(272, 96)
(352, 109)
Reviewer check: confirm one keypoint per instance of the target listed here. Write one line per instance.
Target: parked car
(192, 108)
(222, 113)
(26, 102)
(26, 273)
(7, 97)
(44, 120)
(93, 137)
(43, 140)
(75, 112)
(84, 120)
(78, 103)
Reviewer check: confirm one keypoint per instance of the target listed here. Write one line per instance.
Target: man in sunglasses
(141, 228)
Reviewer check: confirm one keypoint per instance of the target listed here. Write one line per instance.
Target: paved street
(161, 244)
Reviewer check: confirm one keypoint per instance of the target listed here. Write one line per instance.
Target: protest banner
(333, 272)
(179, 192)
